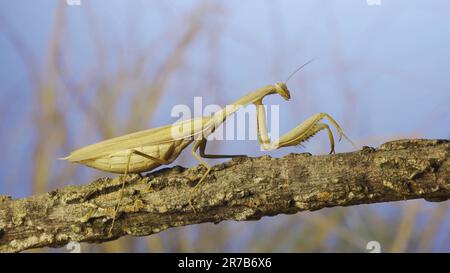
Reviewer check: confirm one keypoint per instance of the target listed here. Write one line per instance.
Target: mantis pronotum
(146, 150)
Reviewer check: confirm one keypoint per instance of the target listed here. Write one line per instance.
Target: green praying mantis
(146, 150)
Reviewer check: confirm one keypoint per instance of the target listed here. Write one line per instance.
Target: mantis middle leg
(201, 146)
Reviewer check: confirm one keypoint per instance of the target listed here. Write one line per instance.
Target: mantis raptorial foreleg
(320, 126)
(133, 151)
(297, 135)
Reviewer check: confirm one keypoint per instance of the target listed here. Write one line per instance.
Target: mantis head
(281, 88)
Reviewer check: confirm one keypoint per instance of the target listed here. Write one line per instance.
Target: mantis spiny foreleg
(297, 135)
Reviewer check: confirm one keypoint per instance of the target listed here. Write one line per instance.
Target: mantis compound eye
(282, 89)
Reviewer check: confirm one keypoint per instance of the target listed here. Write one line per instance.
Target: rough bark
(241, 189)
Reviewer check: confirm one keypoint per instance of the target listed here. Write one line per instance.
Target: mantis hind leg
(158, 160)
(116, 210)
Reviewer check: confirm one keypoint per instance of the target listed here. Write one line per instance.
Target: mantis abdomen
(117, 162)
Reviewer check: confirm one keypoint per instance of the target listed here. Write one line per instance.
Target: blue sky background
(383, 71)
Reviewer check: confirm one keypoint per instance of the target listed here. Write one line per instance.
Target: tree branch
(241, 189)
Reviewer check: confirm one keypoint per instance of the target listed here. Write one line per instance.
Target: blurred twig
(437, 219)
(405, 228)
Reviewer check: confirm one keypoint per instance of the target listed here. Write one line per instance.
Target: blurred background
(77, 72)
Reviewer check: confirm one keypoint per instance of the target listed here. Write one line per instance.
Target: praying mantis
(146, 150)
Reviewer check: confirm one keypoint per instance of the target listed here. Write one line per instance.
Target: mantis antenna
(300, 68)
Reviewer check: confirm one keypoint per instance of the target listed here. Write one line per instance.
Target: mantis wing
(155, 136)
